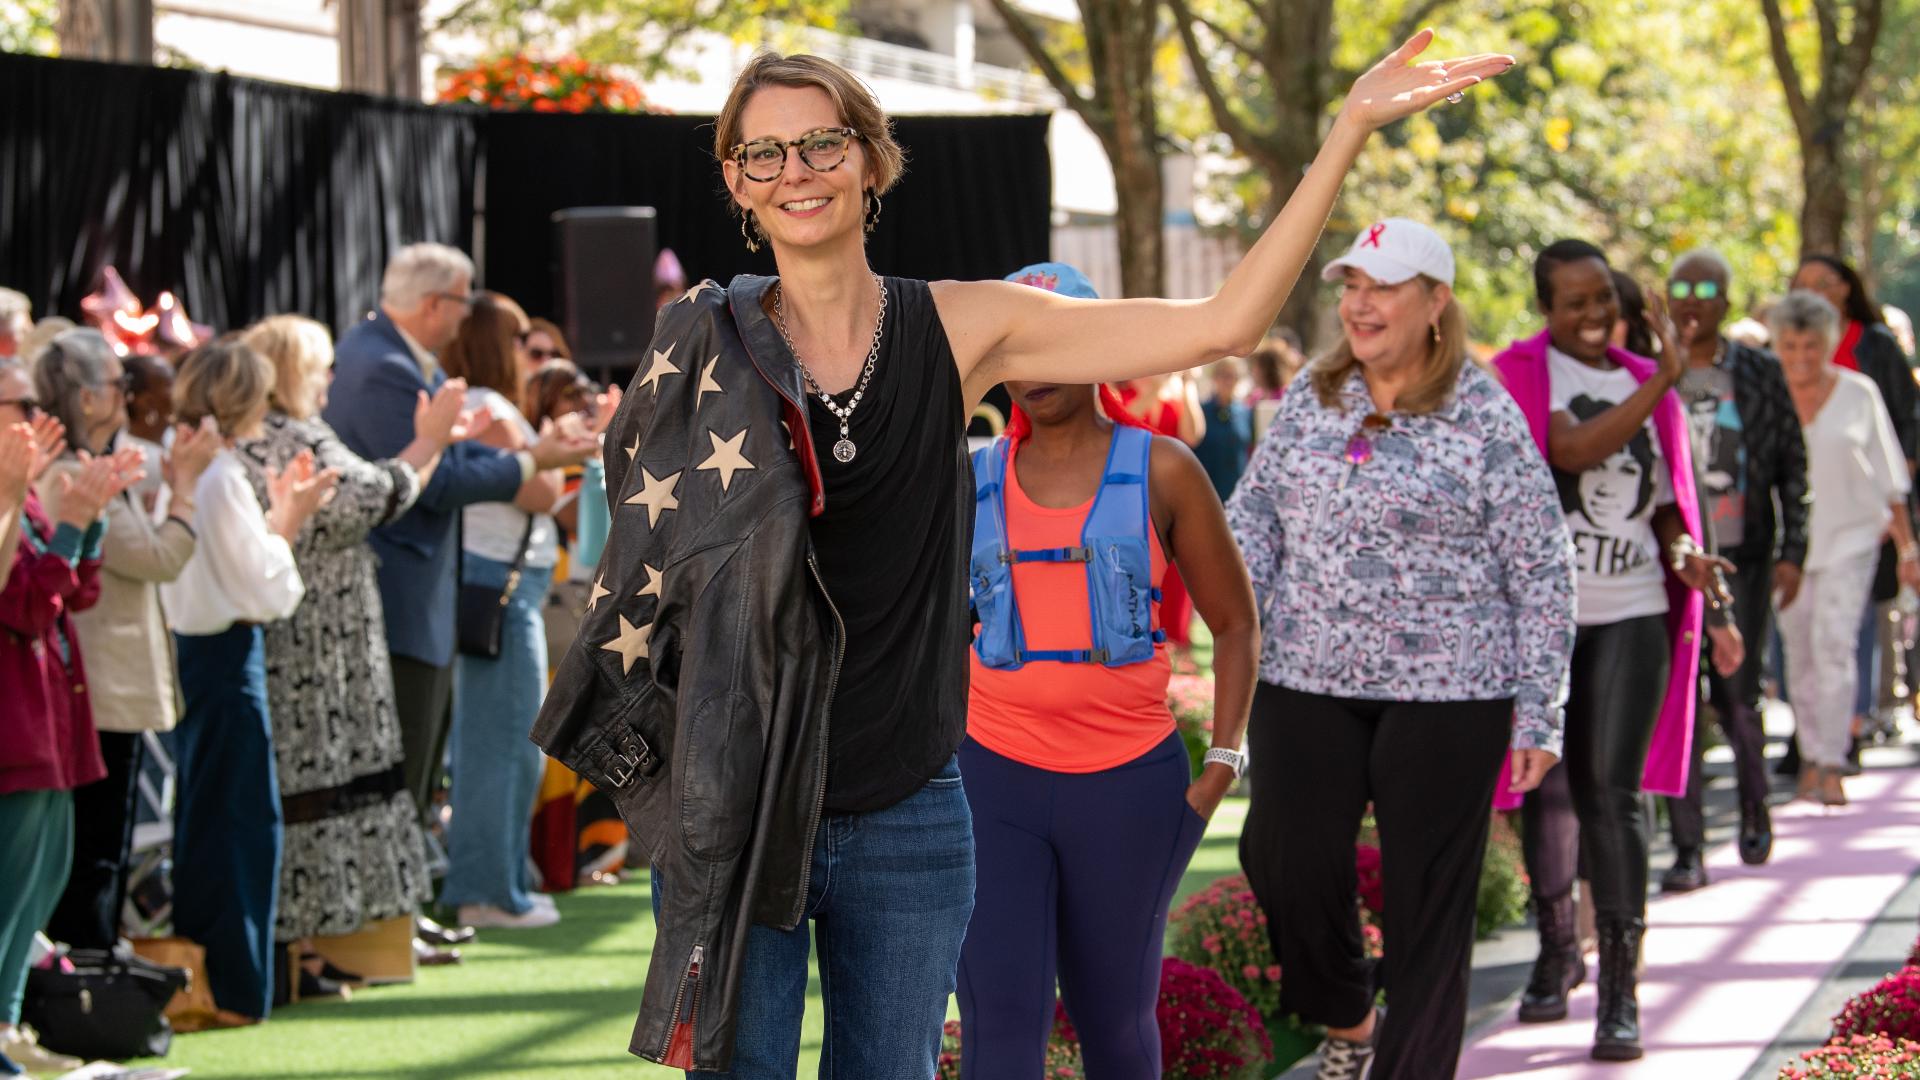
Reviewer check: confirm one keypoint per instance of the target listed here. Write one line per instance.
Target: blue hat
(1055, 277)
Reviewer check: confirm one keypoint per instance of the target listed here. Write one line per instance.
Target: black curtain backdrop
(245, 197)
(250, 198)
(974, 203)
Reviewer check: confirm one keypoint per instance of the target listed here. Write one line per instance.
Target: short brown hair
(223, 378)
(859, 109)
(483, 352)
(295, 345)
(1446, 355)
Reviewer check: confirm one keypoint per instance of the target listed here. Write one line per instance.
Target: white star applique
(654, 578)
(631, 644)
(634, 450)
(656, 494)
(599, 590)
(662, 367)
(726, 459)
(707, 385)
(694, 293)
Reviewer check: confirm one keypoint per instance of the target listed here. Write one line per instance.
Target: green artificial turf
(557, 1002)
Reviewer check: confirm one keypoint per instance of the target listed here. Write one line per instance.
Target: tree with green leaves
(1842, 58)
(1117, 100)
(641, 33)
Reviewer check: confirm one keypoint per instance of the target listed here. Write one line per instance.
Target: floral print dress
(354, 852)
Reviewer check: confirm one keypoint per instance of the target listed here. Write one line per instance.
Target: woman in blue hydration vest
(1085, 807)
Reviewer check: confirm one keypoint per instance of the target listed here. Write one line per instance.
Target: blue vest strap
(1053, 555)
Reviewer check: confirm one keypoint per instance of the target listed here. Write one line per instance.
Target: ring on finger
(1456, 97)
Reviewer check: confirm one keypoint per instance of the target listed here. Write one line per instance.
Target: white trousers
(1819, 631)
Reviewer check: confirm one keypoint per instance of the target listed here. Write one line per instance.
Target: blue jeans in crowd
(496, 768)
(226, 831)
(889, 898)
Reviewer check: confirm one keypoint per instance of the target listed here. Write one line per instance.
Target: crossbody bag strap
(519, 561)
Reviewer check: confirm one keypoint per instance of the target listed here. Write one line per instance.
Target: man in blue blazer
(379, 367)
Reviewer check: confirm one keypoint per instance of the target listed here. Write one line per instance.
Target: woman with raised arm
(805, 609)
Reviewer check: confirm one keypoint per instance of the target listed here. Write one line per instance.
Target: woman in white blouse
(1858, 473)
(226, 838)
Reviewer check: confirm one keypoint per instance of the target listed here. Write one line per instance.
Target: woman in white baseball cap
(1400, 530)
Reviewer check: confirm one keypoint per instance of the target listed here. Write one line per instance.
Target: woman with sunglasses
(1416, 590)
(877, 377)
(124, 635)
(1617, 439)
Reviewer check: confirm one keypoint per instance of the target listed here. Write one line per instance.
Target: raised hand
(84, 494)
(1673, 354)
(49, 438)
(193, 450)
(566, 443)
(604, 409)
(436, 419)
(1398, 86)
(295, 492)
(17, 454)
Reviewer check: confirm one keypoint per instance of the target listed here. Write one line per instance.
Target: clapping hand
(17, 458)
(1397, 86)
(193, 450)
(84, 495)
(295, 492)
(567, 442)
(604, 408)
(49, 438)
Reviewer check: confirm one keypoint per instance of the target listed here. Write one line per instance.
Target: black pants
(423, 700)
(1619, 680)
(1429, 770)
(89, 913)
(1736, 703)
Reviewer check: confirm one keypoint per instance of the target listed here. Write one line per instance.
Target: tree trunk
(120, 30)
(1140, 192)
(1823, 214)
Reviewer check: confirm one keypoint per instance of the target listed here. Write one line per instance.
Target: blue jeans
(890, 897)
(226, 816)
(496, 769)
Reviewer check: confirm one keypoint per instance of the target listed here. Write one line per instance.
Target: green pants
(36, 851)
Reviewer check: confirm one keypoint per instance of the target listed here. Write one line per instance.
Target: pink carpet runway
(1728, 966)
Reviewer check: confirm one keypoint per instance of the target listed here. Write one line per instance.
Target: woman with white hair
(124, 634)
(1854, 462)
(353, 849)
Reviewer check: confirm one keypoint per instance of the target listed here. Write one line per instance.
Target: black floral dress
(353, 849)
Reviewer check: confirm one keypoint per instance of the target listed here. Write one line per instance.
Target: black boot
(1687, 872)
(1559, 967)
(1756, 833)
(1616, 1034)
(1789, 763)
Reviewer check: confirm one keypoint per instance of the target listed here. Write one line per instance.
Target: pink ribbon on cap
(1373, 235)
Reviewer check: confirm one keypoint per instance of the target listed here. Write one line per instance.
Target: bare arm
(1000, 330)
(1202, 547)
(1574, 446)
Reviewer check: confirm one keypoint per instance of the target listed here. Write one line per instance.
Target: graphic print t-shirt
(1610, 507)
(1719, 450)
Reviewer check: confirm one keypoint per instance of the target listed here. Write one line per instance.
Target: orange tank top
(1072, 718)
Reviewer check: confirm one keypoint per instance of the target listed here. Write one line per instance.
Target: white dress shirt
(241, 571)
(1856, 471)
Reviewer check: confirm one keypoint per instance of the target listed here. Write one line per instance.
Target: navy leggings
(1075, 873)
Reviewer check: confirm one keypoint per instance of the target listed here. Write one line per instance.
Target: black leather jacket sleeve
(1789, 446)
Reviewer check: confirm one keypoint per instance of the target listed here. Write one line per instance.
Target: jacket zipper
(826, 719)
(840, 643)
(689, 981)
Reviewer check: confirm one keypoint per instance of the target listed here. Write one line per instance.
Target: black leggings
(1619, 680)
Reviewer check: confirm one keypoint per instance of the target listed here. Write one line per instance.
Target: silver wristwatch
(1232, 759)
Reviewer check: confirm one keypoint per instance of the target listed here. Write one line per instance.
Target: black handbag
(482, 609)
(111, 1005)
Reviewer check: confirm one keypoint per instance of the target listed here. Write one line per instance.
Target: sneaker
(486, 916)
(542, 901)
(22, 1047)
(1346, 1059)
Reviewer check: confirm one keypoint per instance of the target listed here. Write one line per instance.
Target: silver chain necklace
(843, 450)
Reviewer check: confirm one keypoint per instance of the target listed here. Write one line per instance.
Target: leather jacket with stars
(697, 692)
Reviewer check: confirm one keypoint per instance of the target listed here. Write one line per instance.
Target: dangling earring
(1435, 327)
(748, 220)
(873, 209)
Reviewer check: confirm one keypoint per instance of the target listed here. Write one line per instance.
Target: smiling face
(1804, 355)
(1387, 324)
(1583, 310)
(802, 207)
(1818, 277)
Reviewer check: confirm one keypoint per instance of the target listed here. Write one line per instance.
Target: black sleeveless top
(893, 546)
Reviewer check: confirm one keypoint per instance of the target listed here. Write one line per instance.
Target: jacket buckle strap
(635, 757)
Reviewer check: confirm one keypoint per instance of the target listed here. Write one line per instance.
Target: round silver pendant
(843, 451)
